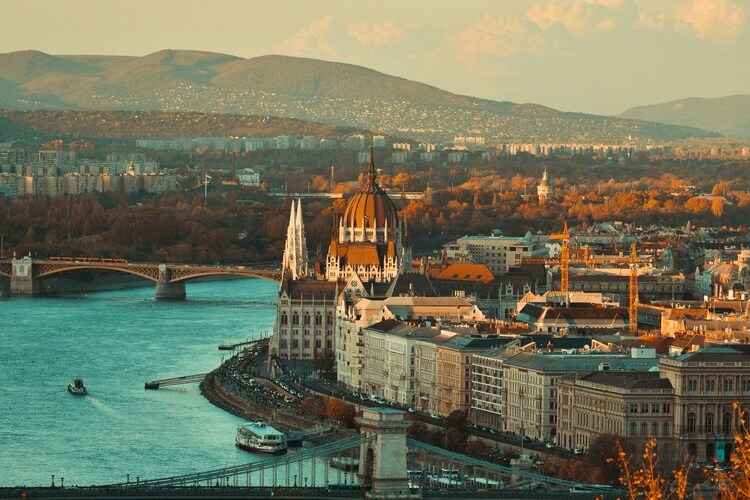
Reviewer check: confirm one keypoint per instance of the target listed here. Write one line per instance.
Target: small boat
(344, 463)
(76, 387)
(261, 437)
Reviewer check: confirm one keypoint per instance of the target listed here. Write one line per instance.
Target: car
(549, 445)
(578, 451)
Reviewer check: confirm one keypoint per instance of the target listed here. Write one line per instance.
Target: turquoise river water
(115, 341)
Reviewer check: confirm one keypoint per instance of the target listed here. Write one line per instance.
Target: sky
(592, 56)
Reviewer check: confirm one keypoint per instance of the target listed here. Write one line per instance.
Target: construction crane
(564, 256)
(583, 256)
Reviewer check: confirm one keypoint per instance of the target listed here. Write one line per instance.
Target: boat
(76, 387)
(344, 463)
(261, 437)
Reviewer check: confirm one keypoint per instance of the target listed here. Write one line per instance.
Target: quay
(186, 379)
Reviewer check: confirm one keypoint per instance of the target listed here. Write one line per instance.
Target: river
(115, 341)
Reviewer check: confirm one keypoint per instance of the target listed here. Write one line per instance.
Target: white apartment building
(248, 177)
(498, 253)
(390, 353)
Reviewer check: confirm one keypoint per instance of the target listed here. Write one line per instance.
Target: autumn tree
(341, 411)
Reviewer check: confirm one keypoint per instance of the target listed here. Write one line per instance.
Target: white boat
(261, 437)
(76, 387)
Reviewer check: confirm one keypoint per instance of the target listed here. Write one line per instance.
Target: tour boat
(76, 387)
(261, 437)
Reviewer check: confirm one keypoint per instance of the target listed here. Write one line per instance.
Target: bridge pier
(21, 281)
(166, 290)
(382, 462)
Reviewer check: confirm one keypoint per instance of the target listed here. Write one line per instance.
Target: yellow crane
(583, 256)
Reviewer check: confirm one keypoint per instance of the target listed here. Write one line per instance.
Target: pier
(187, 379)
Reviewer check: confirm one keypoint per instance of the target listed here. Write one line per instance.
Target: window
(728, 385)
(295, 343)
(307, 318)
(745, 385)
(295, 319)
(666, 408)
(710, 385)
(307, 342)
(709, 422)
(692, 385)
(654, 429)
(654, 409)
(644, 407)
(726, 423)
(632, 428)
(644, 428)
(691, 422)
(284, 318)
(665, 429)
(329, 319)
(633, 408)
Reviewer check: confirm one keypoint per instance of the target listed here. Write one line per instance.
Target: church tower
(294, 262)
(543, 190)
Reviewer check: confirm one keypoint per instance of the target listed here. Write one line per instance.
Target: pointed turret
(294, 261)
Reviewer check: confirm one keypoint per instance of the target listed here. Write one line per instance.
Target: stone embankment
(231, 388)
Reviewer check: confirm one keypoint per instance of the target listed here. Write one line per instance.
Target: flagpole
(205, 190)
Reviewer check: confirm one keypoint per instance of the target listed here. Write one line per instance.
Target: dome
(370, 208)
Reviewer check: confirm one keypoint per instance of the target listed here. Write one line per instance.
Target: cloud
(710, 18)
(657, 22)
(494, 36)
(579, 17)
(383, 33)
(311, 40)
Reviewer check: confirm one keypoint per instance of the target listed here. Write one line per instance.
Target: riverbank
(230, 388)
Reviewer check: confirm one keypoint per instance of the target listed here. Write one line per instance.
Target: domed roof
(370, 207)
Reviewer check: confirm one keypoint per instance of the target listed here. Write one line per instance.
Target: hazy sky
(597, 56)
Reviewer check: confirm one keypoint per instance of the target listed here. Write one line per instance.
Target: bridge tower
(166, 290)
(383, 460)
(22, 280)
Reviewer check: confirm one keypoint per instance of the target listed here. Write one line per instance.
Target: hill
(305, 89)
(78, 124)
(729, 116)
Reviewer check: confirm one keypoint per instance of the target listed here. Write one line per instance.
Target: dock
(230, 346)
(187, 379)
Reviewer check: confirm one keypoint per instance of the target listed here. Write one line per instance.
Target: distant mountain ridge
(305, 89)
(729, 115)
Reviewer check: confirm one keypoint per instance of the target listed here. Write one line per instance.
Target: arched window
(307, 318)
(644, 428)
(318, 319)
(284, 319)
(654, 429)
(295, 318)
(329, 319)
(665, 429)
(633, 428)
(726, 423)
(691, 422)
(709, 422)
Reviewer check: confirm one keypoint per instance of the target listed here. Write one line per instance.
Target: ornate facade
(368, 241)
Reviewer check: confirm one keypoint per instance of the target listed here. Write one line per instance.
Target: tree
(477, 449)
(643, 479)
(734, 484)
(342, 411)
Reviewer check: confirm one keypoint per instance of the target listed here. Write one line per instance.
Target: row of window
(709, 385)
(665, 408)
(654, 429)
(305, 343)
(708, 423)
(306, 319)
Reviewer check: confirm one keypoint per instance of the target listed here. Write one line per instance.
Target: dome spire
(371, 173)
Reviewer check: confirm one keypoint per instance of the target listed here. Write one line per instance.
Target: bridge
(26, 274)
(379, 462)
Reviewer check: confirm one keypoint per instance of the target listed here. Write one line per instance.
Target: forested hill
(305, 89)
